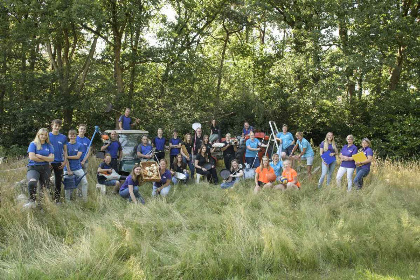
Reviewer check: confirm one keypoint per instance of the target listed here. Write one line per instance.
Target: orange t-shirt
(262, 175)
(290, 175)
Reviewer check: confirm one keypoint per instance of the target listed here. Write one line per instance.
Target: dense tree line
(335, 65)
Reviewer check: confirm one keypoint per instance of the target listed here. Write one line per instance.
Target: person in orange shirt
(261, 180)
(291, 175)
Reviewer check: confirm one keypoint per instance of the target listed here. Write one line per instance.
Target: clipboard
(359, 157)
(327, 158)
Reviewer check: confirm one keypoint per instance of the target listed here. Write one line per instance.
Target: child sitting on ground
(291, 175)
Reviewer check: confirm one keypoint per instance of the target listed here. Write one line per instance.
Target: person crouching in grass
(130, 188)
(105, 168)
(291, 175)
(163, 186)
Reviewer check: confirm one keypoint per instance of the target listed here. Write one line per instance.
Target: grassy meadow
(203, 232)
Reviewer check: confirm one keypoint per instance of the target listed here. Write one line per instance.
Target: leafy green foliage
(321, 66)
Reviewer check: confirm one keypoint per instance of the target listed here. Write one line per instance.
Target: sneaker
(29, 205)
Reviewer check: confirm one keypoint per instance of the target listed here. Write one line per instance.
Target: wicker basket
(145, 164)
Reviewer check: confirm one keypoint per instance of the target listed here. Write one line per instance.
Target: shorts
(288, 150)
(260, 184)
(110, 182)
(309, 160)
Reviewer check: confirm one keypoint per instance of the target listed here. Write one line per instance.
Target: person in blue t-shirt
(114, 149)
(163, 186)
(125, 122)
(277, 165)
(253, 146)
(328, 145)
(74, 166)
(247, 129)
(159, 143)
(145, 150)
(130, 188)
(82, 139)
(174, 146)
(306, 152)
(59, 142)
(363, 167)
(105, 168)
(286, 142)
(41, 153)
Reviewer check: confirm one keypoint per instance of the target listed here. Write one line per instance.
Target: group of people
(53, 151)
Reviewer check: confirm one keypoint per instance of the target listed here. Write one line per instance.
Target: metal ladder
(272, 137)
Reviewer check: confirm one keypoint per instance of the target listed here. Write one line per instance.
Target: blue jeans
(176, 180)
(326, 169)
(360, 174)
(226, 185)
(190, 164)
(126, 194)
(250, 161)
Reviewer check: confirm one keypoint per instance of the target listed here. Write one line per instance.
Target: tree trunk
(220, 74)
(396, 72)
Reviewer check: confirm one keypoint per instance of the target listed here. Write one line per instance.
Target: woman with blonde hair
(41, 153)
(327, 146)
(130, 188)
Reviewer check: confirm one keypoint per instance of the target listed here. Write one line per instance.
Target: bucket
(69, 182)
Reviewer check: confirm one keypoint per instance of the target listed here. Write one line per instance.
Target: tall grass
(201, 231)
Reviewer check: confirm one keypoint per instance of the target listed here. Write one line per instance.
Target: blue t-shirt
(159, 143)
(85, 142)
(175, 141)
(126, 122)
(58, 142)
(163, 178)
(102, 179)
(278, 168)
(253, 144)
(113, 149)
(46, 150)
(368, 152)
(73, 150)
(286, 139)
(305, 144)
(128, 181)
(144, 150)
(247, 131)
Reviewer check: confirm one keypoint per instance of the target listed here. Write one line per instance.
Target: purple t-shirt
(348, 152)
(330, 147)
(368, 152)
(163, 178)
(127, 182)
